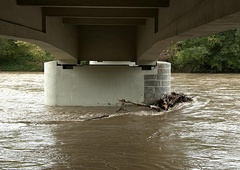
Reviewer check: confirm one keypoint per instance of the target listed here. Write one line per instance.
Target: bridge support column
(157, 84)
(92, 85)
(100, 85)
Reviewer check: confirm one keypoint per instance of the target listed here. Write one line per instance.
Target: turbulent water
(200, 135)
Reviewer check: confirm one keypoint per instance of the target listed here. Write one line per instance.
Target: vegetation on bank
(219, 53)
(22, 56)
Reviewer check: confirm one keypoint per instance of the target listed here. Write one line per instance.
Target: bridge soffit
(95, 12)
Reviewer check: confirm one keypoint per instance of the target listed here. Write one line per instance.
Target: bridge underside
(124, 30)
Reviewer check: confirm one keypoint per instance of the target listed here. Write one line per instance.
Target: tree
(22, 56)
(217, 53)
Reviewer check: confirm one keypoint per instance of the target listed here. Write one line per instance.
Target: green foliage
(22, 56)
(216, 53)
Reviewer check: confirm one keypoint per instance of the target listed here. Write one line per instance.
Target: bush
(219, 53)
(22, 56)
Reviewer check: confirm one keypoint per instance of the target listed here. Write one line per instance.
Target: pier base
(102, 85)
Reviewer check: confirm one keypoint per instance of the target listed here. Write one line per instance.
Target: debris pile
(163, 104)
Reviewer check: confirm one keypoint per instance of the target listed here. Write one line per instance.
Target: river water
(204, 134)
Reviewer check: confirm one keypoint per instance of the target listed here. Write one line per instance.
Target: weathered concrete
(157, 84)
(92, 85)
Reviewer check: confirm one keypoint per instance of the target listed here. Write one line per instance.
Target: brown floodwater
(204, 134)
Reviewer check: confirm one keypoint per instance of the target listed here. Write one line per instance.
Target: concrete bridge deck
(123, 30)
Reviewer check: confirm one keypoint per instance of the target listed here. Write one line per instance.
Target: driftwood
(163, 104)
(98, 117)
(154, 107)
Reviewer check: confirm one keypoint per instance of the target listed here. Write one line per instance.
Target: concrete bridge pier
(157, 83)
(103, 85)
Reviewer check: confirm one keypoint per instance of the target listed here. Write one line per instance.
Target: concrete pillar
(92, 85)
(103, 85)
(157, 84)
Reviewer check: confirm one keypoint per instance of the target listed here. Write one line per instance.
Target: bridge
(135, 31)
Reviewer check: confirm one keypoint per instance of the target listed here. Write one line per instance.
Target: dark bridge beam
(103, 21)
(100, 12)
(98, 3)
(124, 13)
